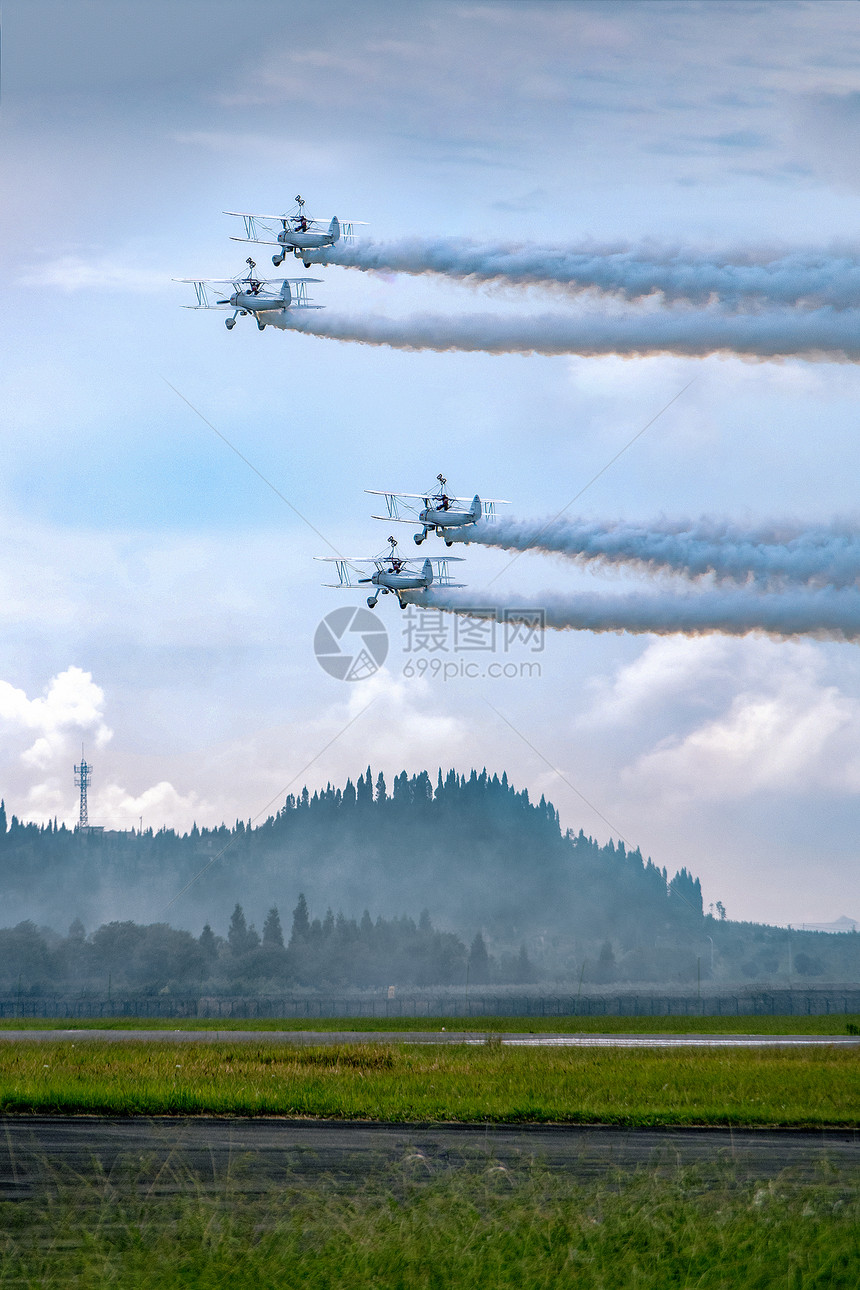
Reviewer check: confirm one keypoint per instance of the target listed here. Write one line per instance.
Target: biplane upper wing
(201, 289)
(344, 566)
(258, 227)
(441, 575)
(489, 504)
(395, 502)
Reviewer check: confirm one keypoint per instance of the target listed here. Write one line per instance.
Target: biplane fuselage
(450, 519)
(294, 240)
(258, 303)
(405, 580)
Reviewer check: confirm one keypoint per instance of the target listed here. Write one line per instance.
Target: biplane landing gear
(277, 260)
(229, 323)
(418, 538)
(306, 263)
(261, 325)
(402, 604)
(371, 602)
(448, 542)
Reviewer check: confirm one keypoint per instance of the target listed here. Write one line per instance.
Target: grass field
(816, 1025)
(402, 1082)
(417, 1226)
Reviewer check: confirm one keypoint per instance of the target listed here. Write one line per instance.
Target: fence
(838, 1000)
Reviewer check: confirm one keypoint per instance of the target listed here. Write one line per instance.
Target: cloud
(827, 135)
(728, 721)
(99, 273)
(161, 804)
(404, 728)
(69, 714)
(69, 710)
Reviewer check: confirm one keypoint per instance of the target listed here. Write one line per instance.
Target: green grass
(405, 1082)
(421, 1226)
(805, 1025)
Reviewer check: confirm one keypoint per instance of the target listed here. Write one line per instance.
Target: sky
(158, 594)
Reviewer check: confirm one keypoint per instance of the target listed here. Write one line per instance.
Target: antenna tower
(82, 779)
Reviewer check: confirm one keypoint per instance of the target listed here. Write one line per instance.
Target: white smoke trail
(767, 555)
(822, 334)
(828, 614)
(811, 278)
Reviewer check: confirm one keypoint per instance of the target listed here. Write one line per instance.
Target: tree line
(333, 952)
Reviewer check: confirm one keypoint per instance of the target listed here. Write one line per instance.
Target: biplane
(298, 233)
(393, 574)
(438, 512)
(265, 299)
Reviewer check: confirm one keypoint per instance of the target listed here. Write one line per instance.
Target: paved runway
(315, 1037)
(37, 1151)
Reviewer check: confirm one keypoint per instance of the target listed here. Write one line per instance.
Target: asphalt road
(305, 1037)
(170, 1155)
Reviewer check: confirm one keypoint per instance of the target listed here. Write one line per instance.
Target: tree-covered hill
(470, 849)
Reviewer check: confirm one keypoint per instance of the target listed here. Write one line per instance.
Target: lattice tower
(82, 779)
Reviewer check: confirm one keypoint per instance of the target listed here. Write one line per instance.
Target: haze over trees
(508, 897)
(332, 953)
(472, 850)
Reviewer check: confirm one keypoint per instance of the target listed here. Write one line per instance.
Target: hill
(471, 849)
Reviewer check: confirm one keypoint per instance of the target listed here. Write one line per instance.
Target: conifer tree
(273, 936)
(301, 922)
(365, 788)
(237, 936)
(479, 961)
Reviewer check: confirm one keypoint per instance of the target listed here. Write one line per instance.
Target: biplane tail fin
(475, 509)
(427, 572)
(286, 294)
(334, 229)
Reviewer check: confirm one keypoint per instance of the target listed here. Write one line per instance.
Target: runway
(170, 1154)
(317, 1037)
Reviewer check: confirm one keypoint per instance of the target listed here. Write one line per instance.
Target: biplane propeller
(438, 512)
(265, 299)
(299, 234)
(393, 574)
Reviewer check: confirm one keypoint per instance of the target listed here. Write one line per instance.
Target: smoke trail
(812, 278)
(822, 334)
(766, 555)
(828, 614)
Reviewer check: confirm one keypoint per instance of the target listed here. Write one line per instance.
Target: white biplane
(393, 574)
(265, 299)
(299, 233)
(439, 512)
